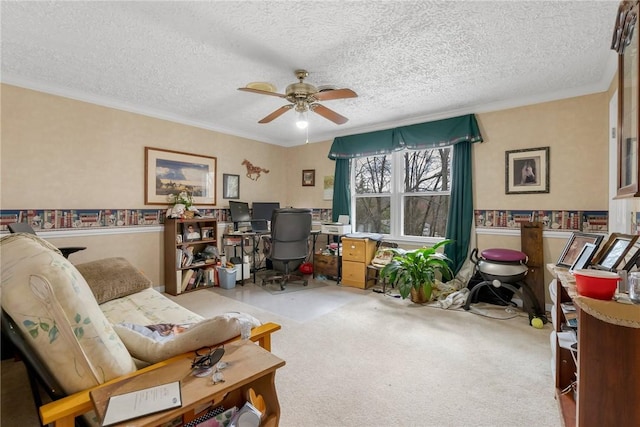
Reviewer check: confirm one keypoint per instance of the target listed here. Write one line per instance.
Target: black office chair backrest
(21, 227)
(290, 231)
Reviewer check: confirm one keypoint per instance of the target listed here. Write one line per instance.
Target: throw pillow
(112, 278)
(148, 347)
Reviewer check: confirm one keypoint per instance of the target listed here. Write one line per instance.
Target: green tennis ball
(537, 323)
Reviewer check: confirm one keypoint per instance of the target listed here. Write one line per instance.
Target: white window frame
(396, 199)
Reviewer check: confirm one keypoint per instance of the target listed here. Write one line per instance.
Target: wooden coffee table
(250, 366)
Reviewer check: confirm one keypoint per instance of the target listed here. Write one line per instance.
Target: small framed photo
(614, 251)
(583, 259)
(190, 232)
(527, 171)
(574, 246)
(309, 178)
(206, 232)
(230, 186)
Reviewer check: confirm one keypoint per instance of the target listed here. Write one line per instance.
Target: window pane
(427, 170)
(426, 215)
(373, 175)
(373, 215)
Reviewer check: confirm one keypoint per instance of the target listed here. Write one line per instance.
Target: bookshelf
(189, 254)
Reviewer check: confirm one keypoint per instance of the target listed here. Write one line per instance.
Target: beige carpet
(378, 360)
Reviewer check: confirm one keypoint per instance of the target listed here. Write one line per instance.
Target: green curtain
(460, 216)
(341, 192)
(460, 132)
(363, 145)
(438, 134)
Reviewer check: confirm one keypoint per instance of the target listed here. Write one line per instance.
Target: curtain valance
(419, 136)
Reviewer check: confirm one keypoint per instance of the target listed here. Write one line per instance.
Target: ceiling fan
(303, 97)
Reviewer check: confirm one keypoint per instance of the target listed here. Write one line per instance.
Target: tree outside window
(405, 193)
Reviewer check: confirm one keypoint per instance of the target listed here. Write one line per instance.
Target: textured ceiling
(409, 61)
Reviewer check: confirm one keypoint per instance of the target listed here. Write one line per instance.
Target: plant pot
(420, 296)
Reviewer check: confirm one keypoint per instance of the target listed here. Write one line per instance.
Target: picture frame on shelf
(632, 258)
(614, 251)
(170, 172)
(527, 171)
(206, 232)
(584, 258)
(230, 186)
(191, 232)
(573, 248)
(309, 178)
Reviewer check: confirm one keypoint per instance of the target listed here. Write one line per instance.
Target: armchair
(288, 243)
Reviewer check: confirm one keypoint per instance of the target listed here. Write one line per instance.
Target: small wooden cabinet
(356, 255)
(184, 238)
(605, 370)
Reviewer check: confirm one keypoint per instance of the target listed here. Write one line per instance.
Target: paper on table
(142, 402)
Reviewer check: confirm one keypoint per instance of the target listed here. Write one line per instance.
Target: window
(402, 194)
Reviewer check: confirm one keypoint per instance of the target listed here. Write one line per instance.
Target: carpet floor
(359, 358)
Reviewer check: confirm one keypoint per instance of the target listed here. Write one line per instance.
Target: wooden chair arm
(62, 412)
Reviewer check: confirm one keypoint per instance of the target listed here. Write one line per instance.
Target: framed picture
(527, 171)
(190, 232)
(632, 258)
(308, 177)
(169, 172)
(614, 251)
(583, 259)
(230, 186)
(574, 246)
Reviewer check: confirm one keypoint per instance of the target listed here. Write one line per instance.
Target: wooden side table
(250, 366)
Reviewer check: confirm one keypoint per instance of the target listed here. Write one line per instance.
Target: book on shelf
(186, 277)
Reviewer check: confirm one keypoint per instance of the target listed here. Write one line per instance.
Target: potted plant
(414, 271)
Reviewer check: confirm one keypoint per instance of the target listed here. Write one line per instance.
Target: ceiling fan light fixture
(301, 119)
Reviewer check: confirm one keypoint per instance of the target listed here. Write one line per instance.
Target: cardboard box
(335, 229)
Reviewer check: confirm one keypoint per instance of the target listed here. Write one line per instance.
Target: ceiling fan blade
(328, 114)
(280, 111)
(262, 92)
(328, 95)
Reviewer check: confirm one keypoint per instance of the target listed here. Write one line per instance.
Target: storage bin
(227, 277)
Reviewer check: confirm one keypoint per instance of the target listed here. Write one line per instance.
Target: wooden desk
(250, 366)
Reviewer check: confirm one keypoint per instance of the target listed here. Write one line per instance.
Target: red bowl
(596, 284)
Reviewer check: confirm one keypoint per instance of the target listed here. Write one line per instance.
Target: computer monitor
(264, 210)
(239, 211)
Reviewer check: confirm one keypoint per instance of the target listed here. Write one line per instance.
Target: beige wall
(62, 153)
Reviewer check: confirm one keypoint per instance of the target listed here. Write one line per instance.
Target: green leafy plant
(417, 268)
(182, 198)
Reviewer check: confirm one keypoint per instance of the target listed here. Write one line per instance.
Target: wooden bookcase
(605, 369)
(176, 245)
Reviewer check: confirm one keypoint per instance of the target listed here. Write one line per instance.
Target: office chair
(23, 227)
(288, 243)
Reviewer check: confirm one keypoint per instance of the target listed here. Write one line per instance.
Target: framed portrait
(169, 172)
(230, 186)
(584, 258)
(574, 247)
(527, 171)
(191, 232)
(614, 251)
(308, 177)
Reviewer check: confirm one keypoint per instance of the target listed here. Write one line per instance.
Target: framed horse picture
(527, 171)
(169, 172)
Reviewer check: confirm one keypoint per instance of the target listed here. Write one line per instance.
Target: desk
(242, 237)
(250, 366)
